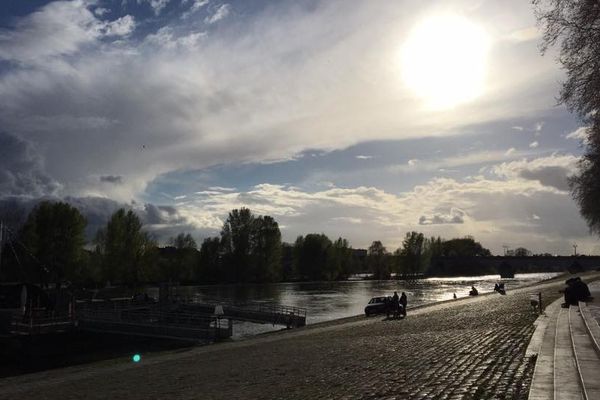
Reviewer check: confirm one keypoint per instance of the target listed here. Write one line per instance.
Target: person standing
(403, 302)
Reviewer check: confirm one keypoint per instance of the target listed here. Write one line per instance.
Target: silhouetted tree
(574, 25)
(209, 266)
(464, 247)
(412, 252)
(311, 257)
(127, 252)
(342, 260)
(522, 252)
(266, 250)
(236, 236)
(250, 247)
(378, 260)
(54, 234)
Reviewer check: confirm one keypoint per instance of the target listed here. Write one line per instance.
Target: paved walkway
(465, 349)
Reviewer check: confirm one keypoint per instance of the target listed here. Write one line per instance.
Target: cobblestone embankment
(467, 349)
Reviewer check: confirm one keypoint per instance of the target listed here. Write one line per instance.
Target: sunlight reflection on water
(325, 301)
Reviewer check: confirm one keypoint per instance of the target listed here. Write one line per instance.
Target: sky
(364, 120)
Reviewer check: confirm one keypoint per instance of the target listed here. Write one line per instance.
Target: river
(325, 301)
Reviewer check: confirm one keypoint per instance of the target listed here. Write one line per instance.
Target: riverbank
(468, 348)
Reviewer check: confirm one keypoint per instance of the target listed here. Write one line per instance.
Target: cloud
(455, 216)
(209, 96)
(156, 5)
(460, 160)
(580, 134)
(518, 128)
(116, 179)
(60, 28)
(499, 209)
(221, 12)
(534, 144)
(22, 169)
(552, 171)
(120, 27)
(196, 5)
(525, 34)
(361, 157)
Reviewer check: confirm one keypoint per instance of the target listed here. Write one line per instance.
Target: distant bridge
(518, 264)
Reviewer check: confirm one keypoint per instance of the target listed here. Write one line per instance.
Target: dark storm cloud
(116, 179)
(22, 170)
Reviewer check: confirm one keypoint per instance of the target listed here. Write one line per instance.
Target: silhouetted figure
(473, 291)
(499, 288)
(576, 291)
(395, 297)
(454, 296)
(403, 304)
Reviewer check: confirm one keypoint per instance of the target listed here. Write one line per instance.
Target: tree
(412, 252)
(183, 241)
(574, 25)
(522, 252)
(236, 244)
(250, 247)
(127, 252)
(378, 260)
(266, 250)
(54, 236)
(464, 247)
(177, 262)
(311, 257)
(209, 264)
(342, 260)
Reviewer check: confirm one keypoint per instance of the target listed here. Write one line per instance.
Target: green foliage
(54, 234)
(250, 248)
(128, 254)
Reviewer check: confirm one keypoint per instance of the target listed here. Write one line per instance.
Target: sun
(444, 61)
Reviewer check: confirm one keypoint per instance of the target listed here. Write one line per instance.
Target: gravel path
(466, 349)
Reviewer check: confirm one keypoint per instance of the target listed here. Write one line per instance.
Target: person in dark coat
(576, 291)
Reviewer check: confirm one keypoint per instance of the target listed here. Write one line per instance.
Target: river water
(325, 301)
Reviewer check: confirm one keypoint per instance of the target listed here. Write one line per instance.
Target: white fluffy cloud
(552, 171)
(579, 134)
(60, 28)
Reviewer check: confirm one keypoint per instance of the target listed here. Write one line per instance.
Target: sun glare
(444, 61)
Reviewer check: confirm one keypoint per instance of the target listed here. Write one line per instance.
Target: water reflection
(326, 301)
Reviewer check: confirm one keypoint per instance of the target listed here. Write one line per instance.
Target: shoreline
(281, 333)
(319, 344)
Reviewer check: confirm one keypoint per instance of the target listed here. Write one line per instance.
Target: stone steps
(568, 363)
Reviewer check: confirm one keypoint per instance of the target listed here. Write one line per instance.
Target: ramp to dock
(151, 320)
(262, 313)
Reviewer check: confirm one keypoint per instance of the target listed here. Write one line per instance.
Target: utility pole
(575, 249)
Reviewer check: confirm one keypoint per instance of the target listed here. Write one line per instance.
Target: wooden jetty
(151, 319)
(262, 313)
(26, 315)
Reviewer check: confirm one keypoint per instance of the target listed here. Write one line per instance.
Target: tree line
(50, 247)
